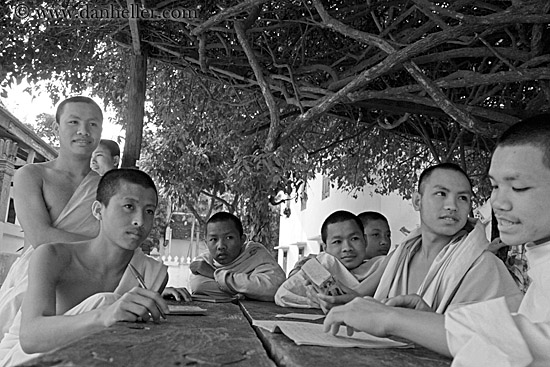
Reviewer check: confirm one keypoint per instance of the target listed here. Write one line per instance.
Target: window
(326, 188)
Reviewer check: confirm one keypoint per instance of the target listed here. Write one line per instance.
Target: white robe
(488, 334)
(153, 271)
(462, 272)
(294, 293)
(254, 274)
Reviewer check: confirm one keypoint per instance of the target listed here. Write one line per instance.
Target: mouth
(506, 222)
(134, 234)
(82, 142)
(348, 258)
(449, 219)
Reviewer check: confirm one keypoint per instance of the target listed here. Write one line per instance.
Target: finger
(350, 330)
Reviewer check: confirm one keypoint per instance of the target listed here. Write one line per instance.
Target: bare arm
(373, 317)
(43, 330)
(32, 212)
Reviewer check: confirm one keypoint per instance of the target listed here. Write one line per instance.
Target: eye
(129, 206)
(150, 212)
(441, 193)
(464, 198)
(520, 189)
(375, 235)
(336, 242)
(229, 237)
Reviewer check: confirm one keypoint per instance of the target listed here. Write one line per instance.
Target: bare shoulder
(32, 172)
(53, 254)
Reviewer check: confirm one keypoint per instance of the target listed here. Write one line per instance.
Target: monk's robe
(294, 291)
(491, 334)
(254, 274)
(76, 217)
(153, 272)
(463, 272)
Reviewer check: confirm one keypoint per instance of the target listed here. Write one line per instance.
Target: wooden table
(285, 353)
(222, 337)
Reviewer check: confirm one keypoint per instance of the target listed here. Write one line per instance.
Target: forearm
(45, 333)
(424, 328)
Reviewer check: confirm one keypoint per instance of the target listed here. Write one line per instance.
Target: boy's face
(378, 237)
(224, 242)
(346, 242)
(444, 203)
(128, 218)
(102, 160)
(80, 126)
(521, 194)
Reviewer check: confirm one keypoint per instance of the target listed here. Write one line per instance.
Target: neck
(76, 165)
(432, 244)
(109, 256)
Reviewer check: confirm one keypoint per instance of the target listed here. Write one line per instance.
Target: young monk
(106, 156)
(344, 256)
(444, 262)
(488, 333)
(76, 289)
(53, 199)
(233, 266)
(377, 233)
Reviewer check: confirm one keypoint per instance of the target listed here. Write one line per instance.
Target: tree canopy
(252, 97)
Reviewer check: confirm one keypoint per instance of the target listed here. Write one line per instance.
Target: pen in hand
(139, 278)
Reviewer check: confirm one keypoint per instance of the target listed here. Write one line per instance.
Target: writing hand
(136, 304)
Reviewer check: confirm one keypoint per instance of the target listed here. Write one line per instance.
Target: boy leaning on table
(344, 256)
(76, 289)
(233, 266)
(487, 333)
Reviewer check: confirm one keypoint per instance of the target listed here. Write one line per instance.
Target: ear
(97, 207)
(323, 247)
(416, 200)
(116, 160)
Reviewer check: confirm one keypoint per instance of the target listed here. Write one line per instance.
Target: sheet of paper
(300, 316)
(305, 333)
(186, 310)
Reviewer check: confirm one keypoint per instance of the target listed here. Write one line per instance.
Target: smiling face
(346, 242)
(444, 203)
(80, 126)
(223, 241)
(128, 217)
(378, 237)
(521, 194)
(102, 160)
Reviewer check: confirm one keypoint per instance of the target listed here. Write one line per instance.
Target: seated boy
(344, 257)
(377, 234)
(76, 289)
(233, 266)
(487, 333)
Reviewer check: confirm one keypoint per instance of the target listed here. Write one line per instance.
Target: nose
(137, 220)
(83, 129)
(221, 245)
(385, 241)
(450, 203)
(499, 200)
(346, 247)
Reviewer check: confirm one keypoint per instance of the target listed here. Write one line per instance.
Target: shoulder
(255, 248)
(31, 171)
(55, 256)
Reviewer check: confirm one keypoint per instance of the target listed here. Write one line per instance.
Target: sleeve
(487, 279)
(261, 279)
(293, 293)
(487, 334)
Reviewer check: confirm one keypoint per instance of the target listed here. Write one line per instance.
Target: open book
(306, 333)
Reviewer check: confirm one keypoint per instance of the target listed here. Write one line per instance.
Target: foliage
(252, 97)
(46, 128)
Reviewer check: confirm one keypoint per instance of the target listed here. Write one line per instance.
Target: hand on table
(203, 268)
(362, 314)
(413, 301)
(179, 294)
(328, 302)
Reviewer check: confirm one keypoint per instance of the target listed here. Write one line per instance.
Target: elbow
(29, 342)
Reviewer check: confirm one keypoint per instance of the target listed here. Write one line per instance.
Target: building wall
(304, 225)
